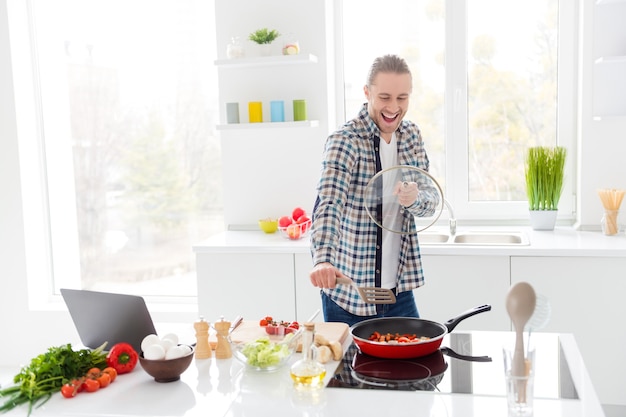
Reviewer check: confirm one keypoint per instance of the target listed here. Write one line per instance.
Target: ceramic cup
(299, 110)
(277, 110)
(232, 113)
(255, 112)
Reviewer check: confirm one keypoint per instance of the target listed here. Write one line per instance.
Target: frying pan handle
(452, 323)
(451, 353)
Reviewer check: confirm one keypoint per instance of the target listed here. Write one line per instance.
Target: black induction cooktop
(468, 362)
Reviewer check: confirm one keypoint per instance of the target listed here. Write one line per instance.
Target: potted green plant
(544, 172)
(264, 37)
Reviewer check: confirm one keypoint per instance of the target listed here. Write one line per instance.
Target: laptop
(108, 317)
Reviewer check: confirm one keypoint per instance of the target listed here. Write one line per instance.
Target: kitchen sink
(491, 238)
(433, 238)
(477, 238)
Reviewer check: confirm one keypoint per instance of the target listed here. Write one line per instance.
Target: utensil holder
(609, 222)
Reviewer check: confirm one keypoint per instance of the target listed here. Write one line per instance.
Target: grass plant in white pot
(264, 38)
(544, 170)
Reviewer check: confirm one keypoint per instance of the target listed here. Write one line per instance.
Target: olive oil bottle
(307, 373)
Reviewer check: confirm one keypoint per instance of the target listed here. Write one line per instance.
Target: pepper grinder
(203, 348)
(222, 350)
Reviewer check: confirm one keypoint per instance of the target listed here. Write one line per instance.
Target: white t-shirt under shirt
(391, 241)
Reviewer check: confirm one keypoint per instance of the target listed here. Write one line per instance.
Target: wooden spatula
(372, 295)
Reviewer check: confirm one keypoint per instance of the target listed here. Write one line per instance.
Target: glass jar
(234, 49)
(307, 373)
(610, 225)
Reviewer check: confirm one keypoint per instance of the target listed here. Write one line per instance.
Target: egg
(171, 336)
(186, 348)
(149, 340)
(167, 344)
(176, 352)
(154, 352)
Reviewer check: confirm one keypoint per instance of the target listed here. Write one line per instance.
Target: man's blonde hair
(387, 63)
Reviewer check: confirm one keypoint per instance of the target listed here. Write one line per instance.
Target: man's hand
(324, 275)
(406, 192)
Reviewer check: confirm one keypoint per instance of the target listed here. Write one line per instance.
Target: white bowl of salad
(265, 354)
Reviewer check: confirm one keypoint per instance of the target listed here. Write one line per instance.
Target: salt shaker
(203, 348)
(222, 350)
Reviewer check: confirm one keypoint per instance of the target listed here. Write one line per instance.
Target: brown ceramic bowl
(166, 370)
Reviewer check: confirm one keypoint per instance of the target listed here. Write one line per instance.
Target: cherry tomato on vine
(111, 371)
(79, 384)
(69, 390)
(104, 380)
(91, 385)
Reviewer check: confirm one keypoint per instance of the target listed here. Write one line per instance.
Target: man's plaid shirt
(342, 231)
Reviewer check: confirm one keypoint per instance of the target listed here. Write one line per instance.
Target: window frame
(456, 125)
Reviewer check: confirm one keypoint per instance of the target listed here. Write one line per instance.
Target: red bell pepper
(122, 357)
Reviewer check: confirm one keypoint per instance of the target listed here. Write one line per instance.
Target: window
(485, 88)
(132, 174)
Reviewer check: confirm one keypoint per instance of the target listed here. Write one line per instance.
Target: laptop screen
(108, 317)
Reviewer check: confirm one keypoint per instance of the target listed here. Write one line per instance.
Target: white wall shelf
(611, 60)
(265, 61)
(269, 125)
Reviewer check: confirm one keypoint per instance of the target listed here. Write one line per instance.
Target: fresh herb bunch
(47, 373)
(264, 36)
(544, 177)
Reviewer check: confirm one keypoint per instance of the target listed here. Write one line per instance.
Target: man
(345, 240)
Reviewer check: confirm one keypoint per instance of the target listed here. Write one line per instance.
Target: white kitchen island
(224, 387)
(580, 272)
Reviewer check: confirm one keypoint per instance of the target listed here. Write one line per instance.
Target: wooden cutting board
(248, 331)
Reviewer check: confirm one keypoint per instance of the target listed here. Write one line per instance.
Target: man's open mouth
(389, 118)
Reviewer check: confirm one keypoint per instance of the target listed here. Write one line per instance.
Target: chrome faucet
(452, 219)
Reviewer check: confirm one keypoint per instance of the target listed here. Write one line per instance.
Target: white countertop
(562, 241)
(213, 387)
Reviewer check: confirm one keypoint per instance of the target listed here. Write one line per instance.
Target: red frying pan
(362, 331)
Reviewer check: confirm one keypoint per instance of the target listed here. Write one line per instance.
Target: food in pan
(396, 338)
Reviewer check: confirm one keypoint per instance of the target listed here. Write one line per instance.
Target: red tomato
(69, 390)
(79, 384)
(93, 373)
(263, 323)
(104, 380)
(111, 371)
(91, 385)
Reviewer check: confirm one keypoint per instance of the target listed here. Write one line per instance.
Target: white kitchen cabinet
(308, 298)
(249, 284)
(255, 285)
(457, 283)
(587, 299)
(609, 51)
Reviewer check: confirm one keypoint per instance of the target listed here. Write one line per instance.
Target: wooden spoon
(520, 304)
